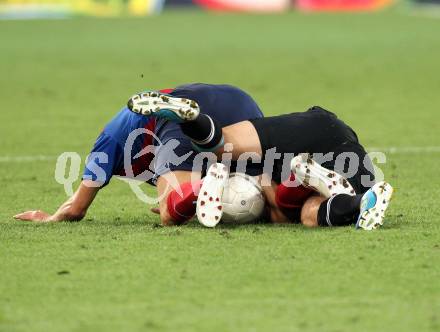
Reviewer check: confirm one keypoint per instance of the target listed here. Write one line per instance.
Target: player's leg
(309, 177)
(337, 204)
(366, 210)
(205, 132)
(339, 210)
(309, 185)
(312, 175)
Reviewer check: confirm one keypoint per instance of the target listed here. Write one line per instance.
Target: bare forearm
(74, 209)
(68, 212)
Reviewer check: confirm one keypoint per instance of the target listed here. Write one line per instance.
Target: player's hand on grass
(38, 216)
(74, 209)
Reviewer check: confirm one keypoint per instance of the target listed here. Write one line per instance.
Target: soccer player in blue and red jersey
(166, 153)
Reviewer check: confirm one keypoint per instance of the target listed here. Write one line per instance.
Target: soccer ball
(242, 199)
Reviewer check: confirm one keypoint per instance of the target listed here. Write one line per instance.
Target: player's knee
(309, 211)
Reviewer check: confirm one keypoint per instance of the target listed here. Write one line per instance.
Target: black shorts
(320, 133)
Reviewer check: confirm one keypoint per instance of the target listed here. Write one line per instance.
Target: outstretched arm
(74, 209)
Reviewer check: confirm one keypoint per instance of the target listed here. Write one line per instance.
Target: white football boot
(164, 106)
(209, 202)
(374, 203)
(312, 175)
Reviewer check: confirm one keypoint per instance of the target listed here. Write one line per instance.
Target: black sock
(339, 210)
(205, 132)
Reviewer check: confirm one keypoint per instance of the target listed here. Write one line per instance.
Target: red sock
(291, 195)
(182, 207)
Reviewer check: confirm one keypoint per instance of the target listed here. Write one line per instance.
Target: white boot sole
(148, 103)
(312, 175)
(373, 218)
(209, 202)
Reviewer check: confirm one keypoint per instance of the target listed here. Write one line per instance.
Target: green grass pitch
(60, 81)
